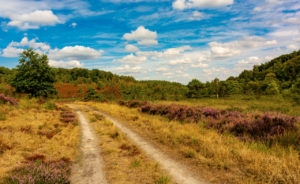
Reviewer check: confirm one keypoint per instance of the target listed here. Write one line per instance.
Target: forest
(280, 76)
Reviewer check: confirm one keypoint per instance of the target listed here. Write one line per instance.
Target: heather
(266, 127)
(37, 172)
(8, 99)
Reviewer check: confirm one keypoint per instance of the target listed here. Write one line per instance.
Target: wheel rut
(89, 170)
(179, 173)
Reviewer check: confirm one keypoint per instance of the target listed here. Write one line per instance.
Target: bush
(8, 99)
(92, 94)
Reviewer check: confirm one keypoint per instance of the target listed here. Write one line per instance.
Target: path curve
(90, 169)
(177, 171)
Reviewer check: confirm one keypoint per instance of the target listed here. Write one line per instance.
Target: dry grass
(124, 162)
(32, 131)
(218, 158)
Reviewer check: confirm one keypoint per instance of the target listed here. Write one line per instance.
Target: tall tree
(34, 75)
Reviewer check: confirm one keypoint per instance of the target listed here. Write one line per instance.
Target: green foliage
(92, 94)
(163, 180)
(278, 76)
(34, 75)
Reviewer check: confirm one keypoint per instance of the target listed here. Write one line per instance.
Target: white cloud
(275, 1)
(33, 20)
(65, 64)
(131, 48)
(31, 14)
(197, 16)
(293, 47)
(74, 24)
(223, 50)
(233, 48)
(200, 4)
(15, 48)
(142, 35)
(75, 53)
(247, 64)
(181, 61)
(200, 65)
(127, 69)
(11, 52)
(132, 59)
(161, 69)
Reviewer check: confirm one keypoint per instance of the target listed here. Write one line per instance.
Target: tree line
(34, 76)
(280, 76)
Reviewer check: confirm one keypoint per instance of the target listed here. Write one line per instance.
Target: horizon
(171, 40)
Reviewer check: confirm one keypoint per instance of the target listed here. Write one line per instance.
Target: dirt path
(177, 171)
(90, 169)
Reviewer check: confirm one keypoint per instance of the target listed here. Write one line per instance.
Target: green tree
(195, 88)
(34, 75)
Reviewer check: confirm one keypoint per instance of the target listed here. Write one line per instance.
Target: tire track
(177, 171)
(90, 169)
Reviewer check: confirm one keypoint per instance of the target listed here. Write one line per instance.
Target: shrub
(92, 94)
(8, 99)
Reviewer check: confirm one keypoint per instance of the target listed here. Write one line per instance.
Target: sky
(174, 40)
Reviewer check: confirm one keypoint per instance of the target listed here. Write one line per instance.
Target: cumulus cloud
(161, 69)
(33, 20)
(32, 14)
(127, 69)
(247, 64)
(131, 48)
(200, 4)
(15, 48)
(132, 59)
(197, 16)
(65, 64)
(75, 53)
(67, 57)
(11, 52)
(233, 48)
(142, 35)
(293, 47)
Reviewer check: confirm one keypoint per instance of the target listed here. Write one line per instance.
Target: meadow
(36, 142)
(219, 157)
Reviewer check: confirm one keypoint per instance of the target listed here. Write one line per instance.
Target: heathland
(241, 130)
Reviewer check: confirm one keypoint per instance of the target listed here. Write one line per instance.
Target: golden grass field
(216, 157)
(30, 131)
(124, 162)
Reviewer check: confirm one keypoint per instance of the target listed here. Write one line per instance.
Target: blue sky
(175, 40)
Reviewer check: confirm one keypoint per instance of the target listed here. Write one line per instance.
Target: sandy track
(177, 171)
(90, 169)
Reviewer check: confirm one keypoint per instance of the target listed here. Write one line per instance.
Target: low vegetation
(220, 158)
(267, 127)
(50, 172)
(35, 143)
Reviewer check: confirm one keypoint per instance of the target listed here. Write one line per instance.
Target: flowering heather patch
(51, 172)
(67, 117)
(263, 127)
(8, 99)
(210, 112)
(132, 103)
(174, 112)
